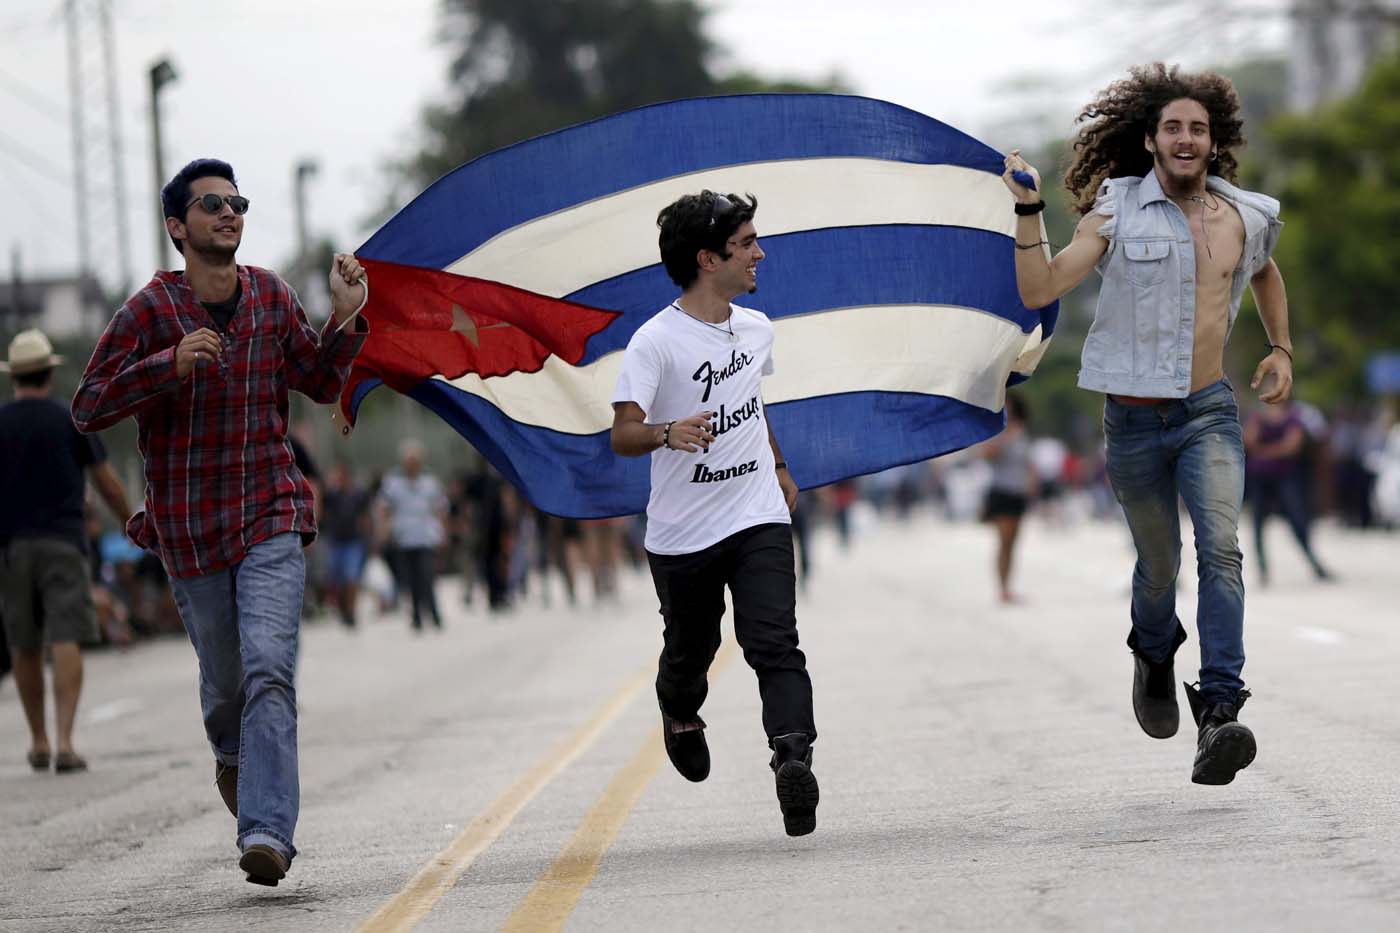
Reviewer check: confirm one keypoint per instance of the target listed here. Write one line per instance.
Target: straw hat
(30, 352)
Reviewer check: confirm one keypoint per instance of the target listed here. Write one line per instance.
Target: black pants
(1290, 495)
(757, 566)
(416, 565)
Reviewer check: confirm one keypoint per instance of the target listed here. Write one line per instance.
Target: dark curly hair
(1110, 145)
(699, 221)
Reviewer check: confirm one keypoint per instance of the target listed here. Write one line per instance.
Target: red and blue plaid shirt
(219, 471)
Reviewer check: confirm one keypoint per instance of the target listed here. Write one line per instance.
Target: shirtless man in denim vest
(1176, 244)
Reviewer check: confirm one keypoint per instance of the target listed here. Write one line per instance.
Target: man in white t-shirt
(413, 506)
(721, 496)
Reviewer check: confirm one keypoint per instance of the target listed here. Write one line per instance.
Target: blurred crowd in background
(1321, 119)
(388, 537)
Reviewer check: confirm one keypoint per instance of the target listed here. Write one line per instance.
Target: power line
(50, 225)
(16, 30)
(32, 160)
(35, 99)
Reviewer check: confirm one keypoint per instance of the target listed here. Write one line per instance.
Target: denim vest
(1144, 326)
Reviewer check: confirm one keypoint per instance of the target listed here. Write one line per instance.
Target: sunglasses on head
(719, 208)
(214, 203)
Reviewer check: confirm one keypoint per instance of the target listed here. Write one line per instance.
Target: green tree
(525, 67)
(1341, 238)
(1262, 85)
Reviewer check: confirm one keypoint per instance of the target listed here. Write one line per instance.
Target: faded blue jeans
(1192, 448)
(244, 622)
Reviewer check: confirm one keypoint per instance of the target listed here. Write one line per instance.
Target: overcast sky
(265, 83)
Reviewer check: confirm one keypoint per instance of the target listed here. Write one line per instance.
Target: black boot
(797, 785)
(1154, 690)
(686, 746)
(1224, 745)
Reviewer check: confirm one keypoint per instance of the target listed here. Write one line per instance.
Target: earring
(1213, 155)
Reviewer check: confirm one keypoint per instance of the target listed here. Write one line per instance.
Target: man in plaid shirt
(204, 360)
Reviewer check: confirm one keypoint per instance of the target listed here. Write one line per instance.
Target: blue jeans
(244, 622)
(345, 561)
(1192, 448)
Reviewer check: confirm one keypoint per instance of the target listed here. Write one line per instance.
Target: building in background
(63, 307)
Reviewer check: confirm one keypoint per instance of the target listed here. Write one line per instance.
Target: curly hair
(1110, 145)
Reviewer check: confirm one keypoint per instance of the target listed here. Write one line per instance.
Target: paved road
(980, 768)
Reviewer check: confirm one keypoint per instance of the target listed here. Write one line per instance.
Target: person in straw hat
(45, 591)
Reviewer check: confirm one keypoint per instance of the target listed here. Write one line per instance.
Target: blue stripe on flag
(840, 268)
(824, 439)
(550, 173)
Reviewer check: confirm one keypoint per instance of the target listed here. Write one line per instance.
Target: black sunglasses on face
(214, 203)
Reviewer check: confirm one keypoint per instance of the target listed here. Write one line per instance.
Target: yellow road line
(436, 878)
(555, 895)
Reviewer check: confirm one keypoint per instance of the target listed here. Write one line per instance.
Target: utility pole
(305, 170)
(114, 141)
(160, 73)
(79, 130)
(98, 158)
(17, 304)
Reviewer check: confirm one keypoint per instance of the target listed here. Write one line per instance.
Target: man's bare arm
(632, 437)
(1271, 298)
(1041, 281)
(785, 481)
(104, 480)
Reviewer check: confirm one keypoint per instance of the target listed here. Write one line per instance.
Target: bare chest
(1217, 230)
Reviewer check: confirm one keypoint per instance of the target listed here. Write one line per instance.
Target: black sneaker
(685, 746)
(796, 784)
(1224, 745)
(1154, 697)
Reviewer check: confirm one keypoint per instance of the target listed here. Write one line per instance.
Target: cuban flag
(503, 296)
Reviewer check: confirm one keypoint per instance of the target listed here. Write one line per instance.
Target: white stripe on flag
(938, 350)
(560, 253)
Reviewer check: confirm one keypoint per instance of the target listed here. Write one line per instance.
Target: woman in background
(1012, 488)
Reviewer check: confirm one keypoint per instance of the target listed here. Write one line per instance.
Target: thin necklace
(729, 321)
(1205, 205)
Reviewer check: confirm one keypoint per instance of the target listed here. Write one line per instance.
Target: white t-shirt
(675, 367)
(414, 505)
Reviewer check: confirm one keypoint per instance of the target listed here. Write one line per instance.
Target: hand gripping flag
(503, 296)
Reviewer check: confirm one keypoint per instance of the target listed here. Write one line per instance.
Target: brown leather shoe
(264, 865)
(226, 777)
